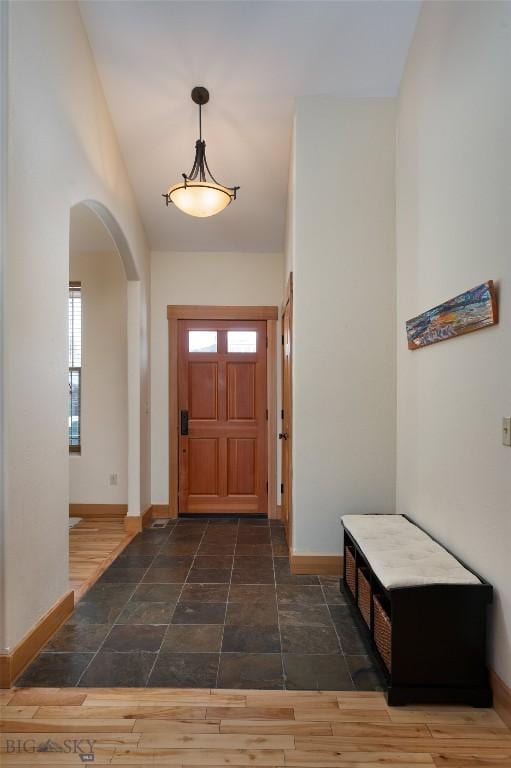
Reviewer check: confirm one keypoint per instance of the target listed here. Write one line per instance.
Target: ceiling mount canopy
(200, 194)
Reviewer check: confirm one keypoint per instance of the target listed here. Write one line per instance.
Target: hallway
(209, 604)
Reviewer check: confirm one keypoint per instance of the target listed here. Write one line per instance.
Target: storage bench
(424, 610)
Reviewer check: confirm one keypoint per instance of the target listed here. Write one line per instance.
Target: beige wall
(62, 150)
(344, 316)
(198, 278)
(104, 402)
(453, 232)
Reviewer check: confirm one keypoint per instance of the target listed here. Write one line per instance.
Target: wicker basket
(364, 596)
(351, 572)
(382, 633)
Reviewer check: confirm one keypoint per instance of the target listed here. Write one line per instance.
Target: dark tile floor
(205, 604)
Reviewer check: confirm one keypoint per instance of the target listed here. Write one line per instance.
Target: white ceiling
(255, 57)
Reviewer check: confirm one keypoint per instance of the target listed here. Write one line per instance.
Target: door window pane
(202, 341)
(242, 341)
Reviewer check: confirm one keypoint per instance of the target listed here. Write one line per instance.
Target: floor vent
(159, 524)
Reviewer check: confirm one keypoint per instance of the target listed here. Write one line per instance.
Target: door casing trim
(195, 312)
(288, 301)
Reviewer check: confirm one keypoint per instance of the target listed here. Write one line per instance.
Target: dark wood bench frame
(438, 637)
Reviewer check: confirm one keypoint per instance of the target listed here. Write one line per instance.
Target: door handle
(283, 436)
(184, 422)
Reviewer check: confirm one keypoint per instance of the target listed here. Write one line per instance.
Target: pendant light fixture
(200, 194)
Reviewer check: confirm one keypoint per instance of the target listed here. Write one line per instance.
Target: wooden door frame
(288, 300)
(175, 313)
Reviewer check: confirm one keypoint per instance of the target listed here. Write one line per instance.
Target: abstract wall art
(470, 311)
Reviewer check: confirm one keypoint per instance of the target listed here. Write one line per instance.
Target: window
(75, 366)
(202, 341)
(242, 341)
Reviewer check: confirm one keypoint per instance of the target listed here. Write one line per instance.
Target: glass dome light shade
(200, 198)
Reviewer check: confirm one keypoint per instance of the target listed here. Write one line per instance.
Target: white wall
(453, 232)
(104, 397)
(289, 247)
(3, 258)
(343, 315)
(62, 150)
(198, 278)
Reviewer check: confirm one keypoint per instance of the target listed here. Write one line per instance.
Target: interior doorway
(98, 396)
(222, 387)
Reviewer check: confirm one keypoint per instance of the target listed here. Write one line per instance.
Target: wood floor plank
(38, 697)
(387, 730)
(132, 712)
(441, 716)
(65, 725)
(169, 697)
(149, 725)
(291, 727)
(198, 757)
(365, 700)
(342, 759)
(471, 761)
(20, 713)
(382, 744)
(335, 714)
(102, 741)
(214, 742)
(250, 713)
(159, 727)
(469, 731)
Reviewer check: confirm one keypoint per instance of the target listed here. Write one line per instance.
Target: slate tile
(213, 562)
(204, 593)
(134, 638)
(252, 639)
(250, 670)
(87, 613)
(171, 574)
(248, 614)
(110, 669)
(316, 673)
(75, 638)
(185, 670)
(313, 640)
(365, 673)
(253, 593)
(157, 593)
(283, 574)
(290, 594)
(351, 634)
(107, 593)
(213, 576)
(305, 616)
(199, 613)
(55, 670)
(193, 638)
(132, 561)
(140, 612)
(121, 575)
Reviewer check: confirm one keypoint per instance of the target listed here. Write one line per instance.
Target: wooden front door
(222, 392)
(287, 413)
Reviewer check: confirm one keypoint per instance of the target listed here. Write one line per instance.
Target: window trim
(76, 448)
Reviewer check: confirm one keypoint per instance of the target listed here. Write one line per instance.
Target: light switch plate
(506, 430)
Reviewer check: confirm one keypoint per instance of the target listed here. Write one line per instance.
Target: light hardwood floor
(152, 727)
(93, 544)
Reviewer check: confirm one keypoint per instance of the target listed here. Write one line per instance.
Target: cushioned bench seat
(424, 612)
(402, 555)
